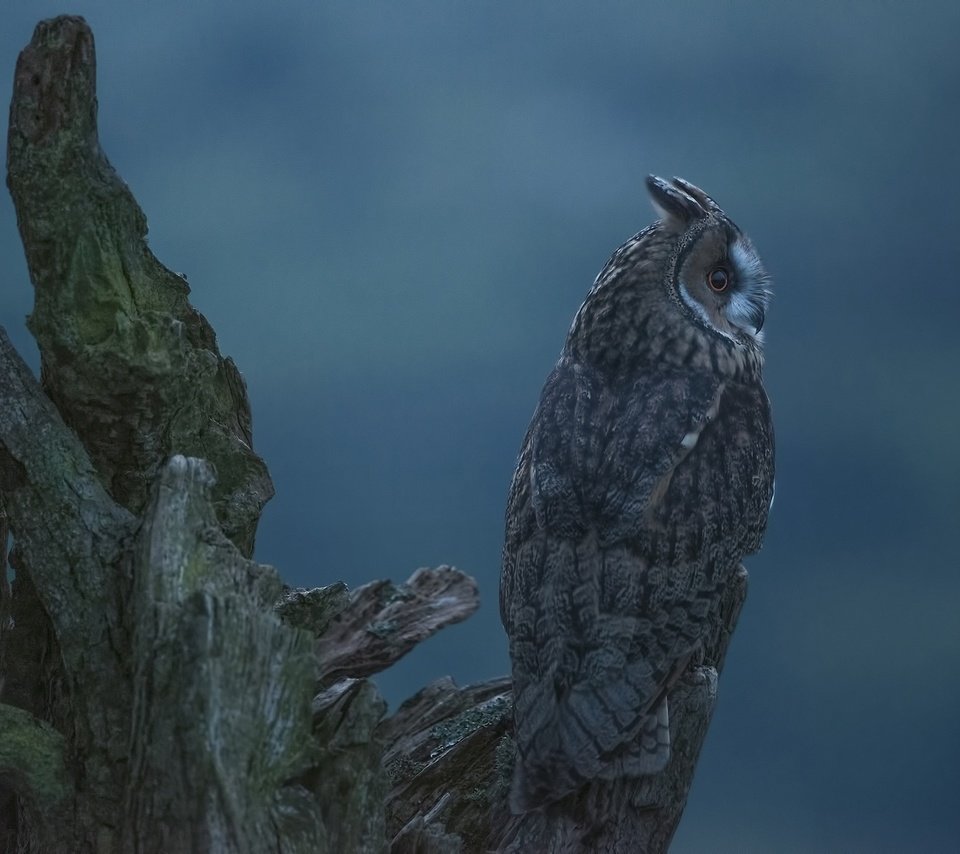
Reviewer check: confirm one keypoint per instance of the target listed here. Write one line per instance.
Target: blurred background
(390, 214)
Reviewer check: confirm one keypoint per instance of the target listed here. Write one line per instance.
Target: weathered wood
(382, 622)
(364, 632)
(449, 757)
(219, 688)
(135, 372)
(33, 754)
(350, 783)
(221, 721)
(64, 521)
(69, 535)
(133, 368)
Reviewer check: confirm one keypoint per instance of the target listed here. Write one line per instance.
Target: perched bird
(645, 476)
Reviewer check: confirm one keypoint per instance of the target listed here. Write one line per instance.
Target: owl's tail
(566, 745)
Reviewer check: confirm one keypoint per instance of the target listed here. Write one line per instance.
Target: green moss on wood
(133, 368)
(32, 757)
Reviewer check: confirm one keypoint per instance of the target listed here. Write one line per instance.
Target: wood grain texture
(133, 368)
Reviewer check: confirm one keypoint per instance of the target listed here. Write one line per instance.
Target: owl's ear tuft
(692, 190)
(676, 207)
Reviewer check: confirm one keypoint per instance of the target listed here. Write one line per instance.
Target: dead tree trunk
(159, 690)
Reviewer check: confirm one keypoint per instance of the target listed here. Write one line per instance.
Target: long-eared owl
(645, 476)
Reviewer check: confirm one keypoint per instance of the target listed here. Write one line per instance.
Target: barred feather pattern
(645, 476)
(619, 543)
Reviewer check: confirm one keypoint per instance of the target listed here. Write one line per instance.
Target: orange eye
(718, 279)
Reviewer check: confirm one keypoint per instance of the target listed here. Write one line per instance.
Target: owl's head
(688, 290)
(715, 271)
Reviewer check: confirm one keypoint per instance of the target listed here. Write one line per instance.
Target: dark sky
(390, 213)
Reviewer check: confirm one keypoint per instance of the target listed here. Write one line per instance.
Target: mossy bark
(132, 367)
(169, 704)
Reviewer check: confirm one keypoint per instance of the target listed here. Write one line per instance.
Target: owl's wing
(579, 602)
(600, 454)
(596, 456)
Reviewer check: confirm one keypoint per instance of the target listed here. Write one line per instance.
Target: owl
(645, 476)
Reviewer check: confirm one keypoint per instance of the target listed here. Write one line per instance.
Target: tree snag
(159, 690)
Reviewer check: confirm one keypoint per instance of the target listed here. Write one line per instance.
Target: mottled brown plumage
(644, 478)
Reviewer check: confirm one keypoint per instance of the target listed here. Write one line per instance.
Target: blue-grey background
(390, 213)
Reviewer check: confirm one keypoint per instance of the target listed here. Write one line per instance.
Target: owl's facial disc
(747, 306)
(720, 279)
(722, 282)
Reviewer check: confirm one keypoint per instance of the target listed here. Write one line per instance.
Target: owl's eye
(718, 279)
